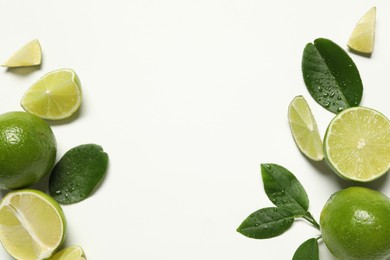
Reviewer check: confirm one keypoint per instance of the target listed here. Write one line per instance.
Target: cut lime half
(304, 129)
(55, 96)
(357, 144)
(32, 224)
(29, 55)
(362, 38)
(70, 253)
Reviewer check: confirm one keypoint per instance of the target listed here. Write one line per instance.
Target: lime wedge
(357, 144)
(304, 129)
(363, 36)
(55, 96)
(32, 224)
(70, 253)
(29, 55)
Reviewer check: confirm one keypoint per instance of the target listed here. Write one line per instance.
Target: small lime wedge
(29, 55)
(304, 129)
(55, 96)
(363, 36)
(357, 144)
(70, 253)
(78, 173)
(32, 224)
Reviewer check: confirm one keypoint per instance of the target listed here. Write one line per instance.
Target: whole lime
(27, 149)
(355, 224)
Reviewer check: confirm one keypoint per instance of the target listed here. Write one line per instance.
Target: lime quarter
(32, 224)
(362, 38)
(304, 129)
(29, 55)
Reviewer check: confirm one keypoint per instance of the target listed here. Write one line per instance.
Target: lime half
(29, 55)
(304, 129)
(32, 224)
(56, 96)
(357, 144)
(363, 36)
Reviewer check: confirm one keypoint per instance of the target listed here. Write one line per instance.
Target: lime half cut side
(357, 144)
(32, 224)
(304, 129)
(55, 96)
(29, 55)
(362, 38)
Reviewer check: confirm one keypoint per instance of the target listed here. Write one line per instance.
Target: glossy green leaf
(284, 189)
(78, 173)
(266, 223)
(331, 76)
(307, 251)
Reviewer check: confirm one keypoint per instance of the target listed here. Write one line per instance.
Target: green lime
(357, 144)
(355, 224)
(27, 149)
(32, 224)
(78, 173)
(304, 129)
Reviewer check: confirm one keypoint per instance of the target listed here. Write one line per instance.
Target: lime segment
(363, 36)
(32, 224)
(29, 55)
(56, 96)
(70, 253)
(357, 144)
(304, 129)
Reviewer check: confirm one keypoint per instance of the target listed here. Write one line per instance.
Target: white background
(188, 98)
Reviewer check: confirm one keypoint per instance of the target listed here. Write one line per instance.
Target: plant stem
(310, 219)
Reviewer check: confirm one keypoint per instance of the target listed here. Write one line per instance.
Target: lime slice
(29, 55)
(363, 36)
(304, 129)
(32, 224)
(56, 96)
(70, 253)
(357, 144)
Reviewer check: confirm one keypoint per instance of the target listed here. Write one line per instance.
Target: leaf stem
(311, 220)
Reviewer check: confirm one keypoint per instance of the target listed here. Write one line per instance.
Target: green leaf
(284, 190)
(307, 251)
(78, 173)
(266, 223)
(331, 76)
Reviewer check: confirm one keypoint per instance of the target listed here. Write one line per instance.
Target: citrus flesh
(362, 38)
(357, 144)
(32, 224)
(27, 149)
(304, 129)
(29, 55)
(70, 253)
(55, 96)
(355, 224)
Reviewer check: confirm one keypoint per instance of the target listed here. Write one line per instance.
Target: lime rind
(357, 144)
(304, 129)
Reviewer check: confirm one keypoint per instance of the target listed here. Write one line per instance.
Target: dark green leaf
(284, 190)
(307, 251)
(331, 76)
(78, 173)
(266, 223)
